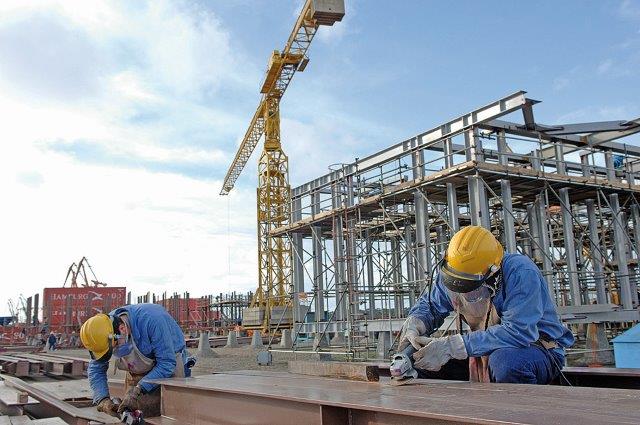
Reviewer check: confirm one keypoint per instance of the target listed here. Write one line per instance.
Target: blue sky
(121, 117)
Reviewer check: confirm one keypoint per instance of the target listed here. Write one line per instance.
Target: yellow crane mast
(272, 297)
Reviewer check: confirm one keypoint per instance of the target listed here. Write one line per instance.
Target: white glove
(412, 329)
(439, 351)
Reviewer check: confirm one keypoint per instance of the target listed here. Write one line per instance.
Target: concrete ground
(226, 359)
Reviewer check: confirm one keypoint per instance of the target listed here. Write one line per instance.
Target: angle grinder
(402, 370)
(129, 417)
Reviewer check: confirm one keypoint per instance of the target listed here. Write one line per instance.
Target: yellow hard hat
(96, 334)
(473, 256)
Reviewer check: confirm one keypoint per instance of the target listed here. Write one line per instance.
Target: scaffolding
(367, 237)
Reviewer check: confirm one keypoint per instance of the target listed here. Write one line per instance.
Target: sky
(119, 118)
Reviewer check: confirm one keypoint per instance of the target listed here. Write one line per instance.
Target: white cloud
(605, 66)
(108, 108)
(629, 9)
(120, 120)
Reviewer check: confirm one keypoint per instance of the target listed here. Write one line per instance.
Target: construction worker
(516, 335)
(51, 341)
(142, 340)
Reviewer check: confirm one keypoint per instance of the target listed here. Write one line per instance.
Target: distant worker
(141, 339)
(516, 334)
(51, 341)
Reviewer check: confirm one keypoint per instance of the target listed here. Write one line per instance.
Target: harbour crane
(272, 297)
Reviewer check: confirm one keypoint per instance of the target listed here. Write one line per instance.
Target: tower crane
(272, 298)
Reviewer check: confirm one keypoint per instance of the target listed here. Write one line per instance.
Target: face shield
(471, 288)
(124, 347)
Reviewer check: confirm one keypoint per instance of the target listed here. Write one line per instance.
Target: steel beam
(628, 294)
(339, 256)
(396, 273)
(251, 397)
(420, 212)
(547, 265)
(371, 284)
(298, 267)
(452, 197)
(570, 248)
(595, 248)
(352, 259)
(411, 263)
(458, 125)
(318, 256)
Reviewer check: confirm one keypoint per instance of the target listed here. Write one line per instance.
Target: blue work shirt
(156, 335)
(524, 305)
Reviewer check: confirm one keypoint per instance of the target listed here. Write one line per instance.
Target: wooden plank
(344, 370)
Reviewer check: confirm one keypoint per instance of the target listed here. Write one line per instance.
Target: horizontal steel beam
(486, 113)
(269, 397)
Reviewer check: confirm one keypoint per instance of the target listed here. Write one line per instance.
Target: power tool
(129, 417)
(132, 417)
(402, 370)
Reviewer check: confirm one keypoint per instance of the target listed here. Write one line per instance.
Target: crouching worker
(142, 340)
(516, 334)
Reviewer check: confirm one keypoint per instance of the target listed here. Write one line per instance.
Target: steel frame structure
(367, 237)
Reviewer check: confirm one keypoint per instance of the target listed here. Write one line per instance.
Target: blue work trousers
(529, 365)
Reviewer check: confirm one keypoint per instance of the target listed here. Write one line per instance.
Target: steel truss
(366, 238)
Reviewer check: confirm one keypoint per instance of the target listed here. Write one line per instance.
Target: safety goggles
(477, 295)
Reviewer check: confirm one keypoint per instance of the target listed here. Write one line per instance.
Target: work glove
(107, 406)
(130, 400)
(439, 351)
(412, 329)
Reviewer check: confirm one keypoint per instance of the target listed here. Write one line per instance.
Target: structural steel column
(534, 231)
(596, 254)
(370, 277)
(339, 254)
(352, 260)
(420, 211)
(298, 267)
(318, 255)
(452, 196)
(396, 274)
(410, 258)
(441, 239)
(608, 162)
(505, 191)
(570, 248)
(635, 215)
(478, 203)
(547, 265)
(628, 295)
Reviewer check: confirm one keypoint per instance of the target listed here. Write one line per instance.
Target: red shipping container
(85, 302)
(178, 310)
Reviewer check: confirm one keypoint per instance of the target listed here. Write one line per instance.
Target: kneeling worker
(516, 334)
(141, 339)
